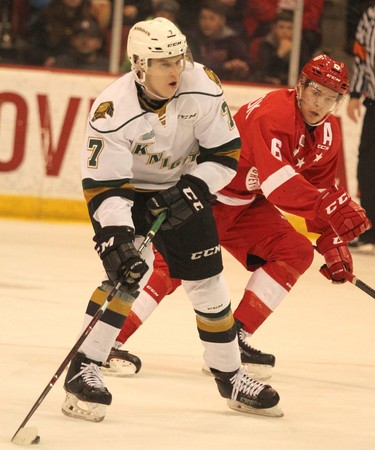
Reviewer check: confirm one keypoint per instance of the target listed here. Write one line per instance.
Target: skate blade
(78, 409)
(275, 411)
(258, 372)
(119, 368)
(26, 436)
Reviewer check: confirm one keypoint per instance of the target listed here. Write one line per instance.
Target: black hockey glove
(182, 201)
(121, 260)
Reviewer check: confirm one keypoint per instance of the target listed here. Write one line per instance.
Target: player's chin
(168, 92)
(315, 118)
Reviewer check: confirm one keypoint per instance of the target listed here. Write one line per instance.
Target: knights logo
(212, 75)
(104, 109)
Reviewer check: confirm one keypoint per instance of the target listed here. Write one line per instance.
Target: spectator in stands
(311, 30)
(49, 32)
(135, 10)
(6, 40)
(273, 52)
(169, 9)
(188, 17)
(235, 10)
(102, 11)
(38, 4)
(13, 17)
(84, 51)
(217, 45)
(259, 16)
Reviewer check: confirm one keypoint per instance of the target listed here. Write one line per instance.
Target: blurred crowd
(241, 40)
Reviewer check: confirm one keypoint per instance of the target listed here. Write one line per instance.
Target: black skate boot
(121, 363)
(84, 384)
(259, 364)
(247, 395)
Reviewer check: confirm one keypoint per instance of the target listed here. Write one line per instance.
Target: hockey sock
(251, 312)
(262, 296)
(131, 325)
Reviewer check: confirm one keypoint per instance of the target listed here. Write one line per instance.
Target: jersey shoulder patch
(212, 75)
(200, 80)
(104, 109)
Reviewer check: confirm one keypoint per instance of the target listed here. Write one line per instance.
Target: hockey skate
(121, 363)
(86, 395)
(258, 364)
(247, 395)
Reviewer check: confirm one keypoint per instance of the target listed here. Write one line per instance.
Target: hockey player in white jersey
(160, 138)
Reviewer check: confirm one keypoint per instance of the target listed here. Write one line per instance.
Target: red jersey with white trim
(282, 158)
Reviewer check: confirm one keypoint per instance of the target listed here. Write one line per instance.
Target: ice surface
(323, 336)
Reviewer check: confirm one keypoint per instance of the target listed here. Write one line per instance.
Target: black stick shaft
(363, 286)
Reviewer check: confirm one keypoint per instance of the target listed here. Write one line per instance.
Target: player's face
(283, 30)
(317, 102)
(85, 44)
(210, 23)
(163, 76)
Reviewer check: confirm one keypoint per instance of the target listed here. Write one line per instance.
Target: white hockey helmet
(153, 39)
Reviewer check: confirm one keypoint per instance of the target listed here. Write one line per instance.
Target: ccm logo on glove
(190, 195)
(102, 247)
(335, 204)
(121, 260)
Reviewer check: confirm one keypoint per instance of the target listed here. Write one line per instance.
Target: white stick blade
(26, 436)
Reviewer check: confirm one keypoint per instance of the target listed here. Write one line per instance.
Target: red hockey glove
(339, 264)
(346, 217)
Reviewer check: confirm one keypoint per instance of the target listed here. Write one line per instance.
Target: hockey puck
(26, 436)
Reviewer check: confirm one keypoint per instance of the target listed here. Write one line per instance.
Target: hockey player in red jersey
(290, 147)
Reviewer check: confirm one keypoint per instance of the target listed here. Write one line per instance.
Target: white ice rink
(323, 336)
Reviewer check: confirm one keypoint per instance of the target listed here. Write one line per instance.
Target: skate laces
(243, 335)
(91, 375)
(243, 383)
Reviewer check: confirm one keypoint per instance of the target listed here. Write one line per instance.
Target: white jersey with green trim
(152, 149)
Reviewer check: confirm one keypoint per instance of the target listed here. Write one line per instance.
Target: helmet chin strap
(150, 92)
(140, 76)
(323, 119)
(154, 94)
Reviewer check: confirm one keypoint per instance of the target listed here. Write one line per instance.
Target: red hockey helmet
(326, 71)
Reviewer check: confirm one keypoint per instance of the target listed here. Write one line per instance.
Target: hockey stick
(29, 435)
(361, 285)
(357, 282)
